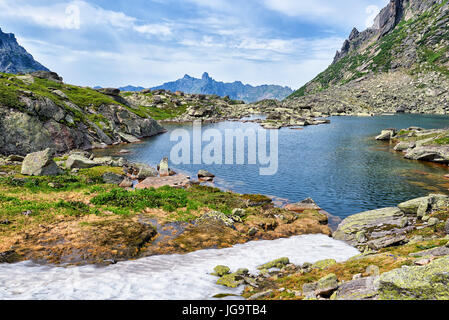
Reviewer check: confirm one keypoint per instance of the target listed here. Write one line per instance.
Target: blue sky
(148, 42)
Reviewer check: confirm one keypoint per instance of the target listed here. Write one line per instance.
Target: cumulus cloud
(285, 42)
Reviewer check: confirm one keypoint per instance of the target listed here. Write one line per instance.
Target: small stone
(126, 183)
(423, 262)
(326, 285)
(446, 227)
(239, 212)
(372, 270)
(27, 213)
(252, 232)
(433, 222)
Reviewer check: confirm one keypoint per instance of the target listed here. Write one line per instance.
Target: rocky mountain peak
(206, 76)
(14, 58)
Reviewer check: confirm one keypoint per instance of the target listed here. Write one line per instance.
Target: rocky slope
(401, 64)
(236, 90)
(39, 111)
(14, 58)
(405, 257)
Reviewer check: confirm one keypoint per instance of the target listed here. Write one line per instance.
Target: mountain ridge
(14, 58)
(235, 90)
(390, 44)
(401, 64)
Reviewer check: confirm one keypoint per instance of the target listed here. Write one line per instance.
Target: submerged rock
(40, 164)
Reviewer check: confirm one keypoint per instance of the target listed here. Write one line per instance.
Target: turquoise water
(339, 165)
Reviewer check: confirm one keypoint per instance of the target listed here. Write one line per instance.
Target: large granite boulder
(375, 229)
(78, 161)
(40, 164)
(430, 282)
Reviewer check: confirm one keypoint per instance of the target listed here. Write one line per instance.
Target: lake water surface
(340, 165)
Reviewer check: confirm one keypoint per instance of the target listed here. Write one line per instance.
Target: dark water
(339, 165)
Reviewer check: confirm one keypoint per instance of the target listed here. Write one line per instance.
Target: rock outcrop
(419, 144)
(236, 90)
(398, 65)
(39, 111)
(14, 58)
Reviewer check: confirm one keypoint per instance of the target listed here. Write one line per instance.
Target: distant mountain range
(236, 90)
(14, 58)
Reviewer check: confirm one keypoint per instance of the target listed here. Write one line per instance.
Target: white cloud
(154, 29)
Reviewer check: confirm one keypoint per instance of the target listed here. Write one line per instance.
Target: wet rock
(386, 134)
(40, 164)
(205, 175)
(430, 282)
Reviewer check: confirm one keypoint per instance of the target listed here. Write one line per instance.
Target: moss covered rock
(221, 271)
(430, 282)
(278, 263)
(323, 264)
(231, 280)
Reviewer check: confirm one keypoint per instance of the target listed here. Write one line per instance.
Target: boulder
(112, 178)
(411, 206)
(48, 75)
(144, 171)
(126, 183)
(438, 154)
(40, 164)
(430, 282)
(220, 271)
(278, 263)
(380, 228)
(205, 175)
(357, 289)
(163, 168)
(323, 264)
(231, 280)
(78, 161)
(386, 135)
(326, 285)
